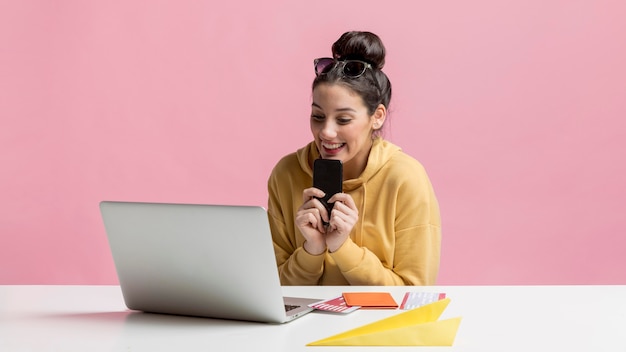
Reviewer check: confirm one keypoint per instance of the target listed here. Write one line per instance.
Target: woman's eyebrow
(345, 109)
(337, 110)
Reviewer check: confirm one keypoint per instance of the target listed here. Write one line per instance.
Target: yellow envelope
(416, 327)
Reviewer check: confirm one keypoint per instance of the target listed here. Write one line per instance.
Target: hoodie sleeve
(295, 265)
(417, 260)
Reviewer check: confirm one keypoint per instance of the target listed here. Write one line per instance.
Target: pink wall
(517, 110)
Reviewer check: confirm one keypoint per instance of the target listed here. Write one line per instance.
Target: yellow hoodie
(397, 238)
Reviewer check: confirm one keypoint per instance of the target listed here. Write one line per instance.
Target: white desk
(495, 318)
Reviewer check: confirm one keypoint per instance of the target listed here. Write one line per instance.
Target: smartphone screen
(328, 176)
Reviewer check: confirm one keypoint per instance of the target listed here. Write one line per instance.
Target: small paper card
(335, 305)
(417, 299)
(370, 300)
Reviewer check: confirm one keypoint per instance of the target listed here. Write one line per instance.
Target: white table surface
(495, 318)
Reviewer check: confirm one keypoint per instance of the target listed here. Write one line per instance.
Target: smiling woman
(515, 108)
(384, 229)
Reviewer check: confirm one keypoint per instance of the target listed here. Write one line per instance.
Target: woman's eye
(317, 117)
(343, 121)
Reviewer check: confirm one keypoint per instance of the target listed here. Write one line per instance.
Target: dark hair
(373, 86)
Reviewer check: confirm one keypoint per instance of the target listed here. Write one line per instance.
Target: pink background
(516, 108)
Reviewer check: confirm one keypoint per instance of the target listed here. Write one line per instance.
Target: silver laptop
(212, 261)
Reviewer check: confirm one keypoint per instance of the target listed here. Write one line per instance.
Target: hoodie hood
(380, 154)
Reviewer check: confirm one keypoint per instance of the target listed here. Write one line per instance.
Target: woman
(385, 228)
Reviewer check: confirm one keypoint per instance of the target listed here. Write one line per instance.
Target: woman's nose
(328, 131)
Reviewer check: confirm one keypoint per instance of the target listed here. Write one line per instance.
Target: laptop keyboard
(289, 307)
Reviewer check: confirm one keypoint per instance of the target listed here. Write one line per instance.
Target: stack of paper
(416, 327)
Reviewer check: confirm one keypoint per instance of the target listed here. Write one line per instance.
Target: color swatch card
(370, 300)
(336, 305)
(417, 299)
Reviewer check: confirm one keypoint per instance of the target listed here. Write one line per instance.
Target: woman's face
(342, 127)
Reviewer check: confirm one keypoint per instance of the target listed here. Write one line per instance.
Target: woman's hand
(310, 219)
(312, 216)
(343, 217)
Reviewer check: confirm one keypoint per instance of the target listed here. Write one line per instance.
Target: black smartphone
(328, 176)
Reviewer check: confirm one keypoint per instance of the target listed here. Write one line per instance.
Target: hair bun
(358, 45)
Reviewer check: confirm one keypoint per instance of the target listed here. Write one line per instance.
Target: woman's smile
(332, 148)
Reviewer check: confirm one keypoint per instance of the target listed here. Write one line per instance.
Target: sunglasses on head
(349, 68)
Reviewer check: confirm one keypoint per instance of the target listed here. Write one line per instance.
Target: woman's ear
(379, 116)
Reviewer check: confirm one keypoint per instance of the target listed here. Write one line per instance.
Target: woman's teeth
(332, 146)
